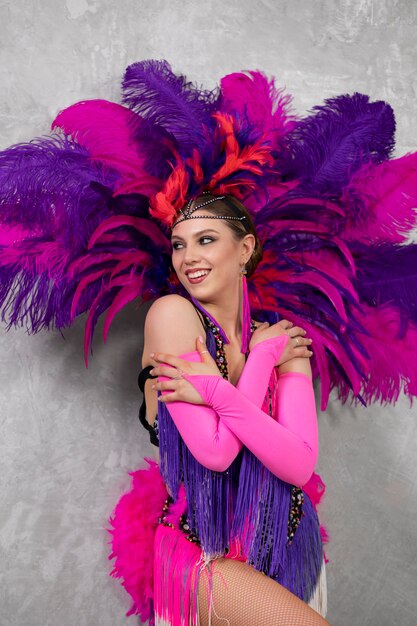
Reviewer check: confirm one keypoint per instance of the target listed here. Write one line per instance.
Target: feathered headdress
(85, 215)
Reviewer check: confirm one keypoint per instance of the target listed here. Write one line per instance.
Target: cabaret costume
(85, 227)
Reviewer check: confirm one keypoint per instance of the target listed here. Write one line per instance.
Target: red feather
(251, 158)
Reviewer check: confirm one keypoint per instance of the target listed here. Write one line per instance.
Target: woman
(85, 227)
(209, 258)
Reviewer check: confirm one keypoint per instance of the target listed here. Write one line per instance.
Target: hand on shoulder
(297, 346)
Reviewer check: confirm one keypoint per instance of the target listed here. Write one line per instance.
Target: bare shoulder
(172, 325)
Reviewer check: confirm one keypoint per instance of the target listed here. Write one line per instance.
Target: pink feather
(386, 197)
(144, 226)
(12, 235)
(123, 259)
(325, 262)
(260, 197)
(36, 257)
(82, 285)
(322, 284)
(306, 226)
(125, 295)
(392, 356)
(133, 527)
(253, 97)
(135, 282)
(133, 260)
(105, 129)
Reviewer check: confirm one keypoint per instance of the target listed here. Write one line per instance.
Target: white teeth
(198, 274)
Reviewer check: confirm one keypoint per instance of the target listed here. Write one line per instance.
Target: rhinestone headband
(186, 213)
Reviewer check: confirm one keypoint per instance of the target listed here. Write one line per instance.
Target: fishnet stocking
(241, 596)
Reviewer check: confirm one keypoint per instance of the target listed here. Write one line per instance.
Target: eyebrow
(198, 234)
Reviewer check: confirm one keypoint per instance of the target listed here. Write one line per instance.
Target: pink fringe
(134, 524)
(176, 576)
(176, 570)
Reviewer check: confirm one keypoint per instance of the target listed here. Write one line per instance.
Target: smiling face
(207, 257)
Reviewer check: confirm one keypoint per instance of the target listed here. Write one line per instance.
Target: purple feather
(326, 148)
(387, 275)
(45, 187)
(152, 90)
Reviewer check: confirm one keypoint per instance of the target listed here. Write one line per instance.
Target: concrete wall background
(69, 435)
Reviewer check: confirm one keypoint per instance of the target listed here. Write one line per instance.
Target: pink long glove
(288, 449)
(209, 440)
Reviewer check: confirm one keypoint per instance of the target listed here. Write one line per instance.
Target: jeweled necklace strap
(215, 326)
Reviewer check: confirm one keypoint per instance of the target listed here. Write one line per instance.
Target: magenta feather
(36, 256)
(134, 282)
(303, 226)
(127, 258)
(12, 235)
(324, 286)
(382, 201)
(86, 262)
(142, 225)
(323, 345)
(133, 526)
(392, 360)
(81, 286)
(124, 261)
(107, 130)
(324, 263)
(258, 104)
(128, 293)
(132, 260)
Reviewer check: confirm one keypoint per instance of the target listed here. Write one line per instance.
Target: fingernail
(151, 371)
(152, 354)
(200, 339)
(153, 386)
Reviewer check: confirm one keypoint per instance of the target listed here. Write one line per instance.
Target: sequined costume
(297, 511)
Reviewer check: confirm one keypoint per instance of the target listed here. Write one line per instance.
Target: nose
(191, 254)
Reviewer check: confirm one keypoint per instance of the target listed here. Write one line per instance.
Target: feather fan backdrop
(85, 215)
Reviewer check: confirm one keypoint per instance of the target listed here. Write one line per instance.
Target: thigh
(241, 596)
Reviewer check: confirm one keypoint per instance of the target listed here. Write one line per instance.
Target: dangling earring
(246, 316)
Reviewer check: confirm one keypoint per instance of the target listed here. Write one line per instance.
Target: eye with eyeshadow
(178, 245)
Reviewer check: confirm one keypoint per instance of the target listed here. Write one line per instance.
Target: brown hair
(238, 229)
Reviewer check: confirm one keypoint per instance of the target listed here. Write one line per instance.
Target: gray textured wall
(68, 436)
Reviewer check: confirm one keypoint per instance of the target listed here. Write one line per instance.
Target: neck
(228, 312)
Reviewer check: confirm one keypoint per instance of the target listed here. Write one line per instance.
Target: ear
(248, 246)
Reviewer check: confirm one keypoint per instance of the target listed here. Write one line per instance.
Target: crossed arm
(232, 416)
